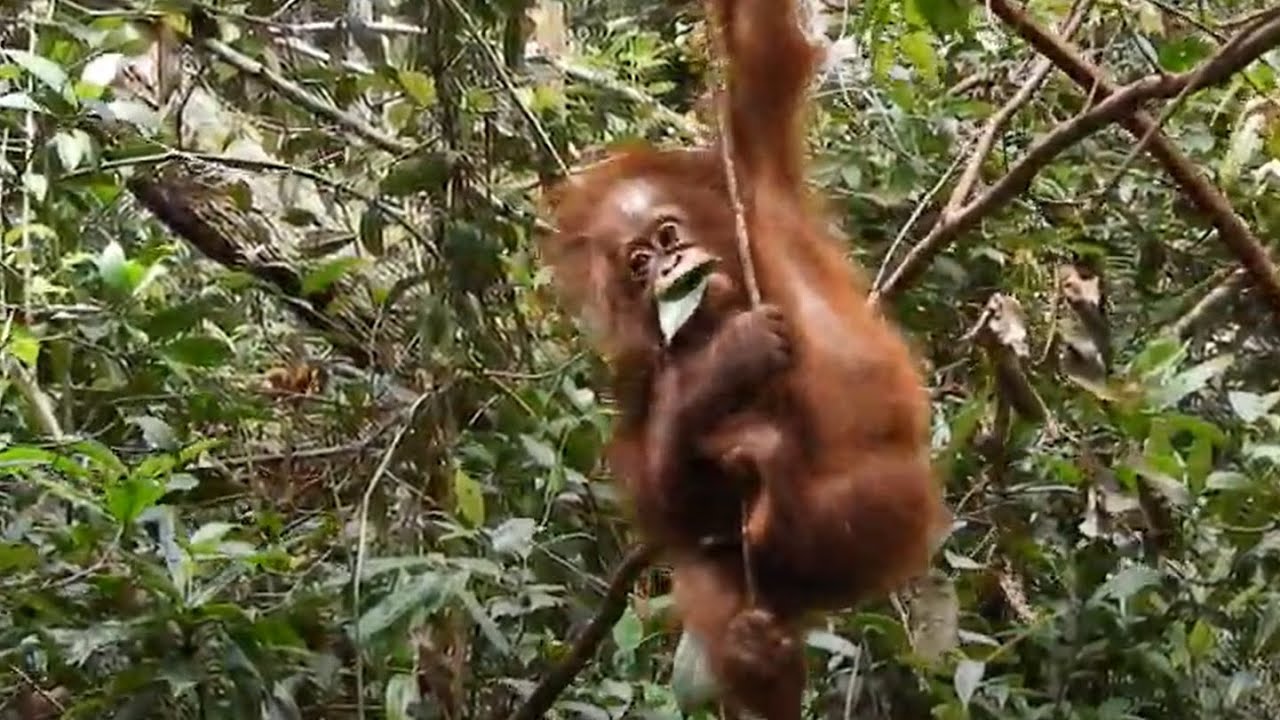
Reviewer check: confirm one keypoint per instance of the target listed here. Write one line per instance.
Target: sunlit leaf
(469, 496)
(967, 677)
(400, 694)
(427, 592)
(692, 683)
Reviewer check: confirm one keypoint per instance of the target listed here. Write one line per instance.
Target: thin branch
(305, 99)
(1262, 34)
(508, 84)
(996, 124)
(1221, 293)
(585, 645)
(1118, 104)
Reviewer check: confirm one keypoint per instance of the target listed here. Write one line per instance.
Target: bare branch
(1221, 293)
(1261, 34)
(996, 124)
(1118, 104)
(584, 647)
(301, 97)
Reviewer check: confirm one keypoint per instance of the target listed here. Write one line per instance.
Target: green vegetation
(290, 426)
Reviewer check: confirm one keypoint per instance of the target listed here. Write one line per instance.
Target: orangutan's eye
(639, 263)
(668, 235)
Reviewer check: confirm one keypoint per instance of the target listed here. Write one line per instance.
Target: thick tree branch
(1260, 35)
(585, 645)
(1118, 104)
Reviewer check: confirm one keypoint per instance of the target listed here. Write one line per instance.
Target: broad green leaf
(418, 86)
(918, 48)
(102, 70)
(628, 632)
(427, 591)
(419, 173)
(112, 267)
(128, 498)
(692, 683)
(372, 223)
(944, 16)
(101, 457)
(43, 69)
(1189, 381)
(830, 643)
(967, 678)
(1201, 640)
(207, 537)
(1127, 583)
(400, 695)
(1246, 142)
(541, 453)
(198, 351)
(23, 345)
(19, 101)
(482, 619)
(1251, 407)
(73, 147)
(1227, 480)
(469, 497)
(327, 273)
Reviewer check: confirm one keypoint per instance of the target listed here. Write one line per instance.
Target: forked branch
(1116, 104)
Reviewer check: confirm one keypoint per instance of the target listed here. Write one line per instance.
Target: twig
(584, 646)
(1261, 35)
(362, 539)
(1117, 104)
(1218, 296)
(995, 125)
(300, 96)
(540, 132)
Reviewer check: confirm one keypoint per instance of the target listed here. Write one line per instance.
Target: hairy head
(633, 225)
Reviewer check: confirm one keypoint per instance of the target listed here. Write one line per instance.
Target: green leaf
(967, 678)
(692, 683)
(20, 101)
(372, 223)
(23, 345)
(1227, 480)
(400, 695)
(427, 591)
(675, 310)
(419, 173)
(102, 70)
(469, 498)
(1201, 640)
(327, 273)
(1246, 142)
(114, 269)
(486, 624)
(944, 16)
(1251, 407)
(43, 69)
(127, 499)
(541, 453)
(207, 537)
(628, 632)
(1189, 381)
(1127, 583)
(918, 48)
(830, 643)
(72, 147)
(418, 86)
(198, 351)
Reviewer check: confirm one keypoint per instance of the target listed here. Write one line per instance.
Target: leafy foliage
(210, 508)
